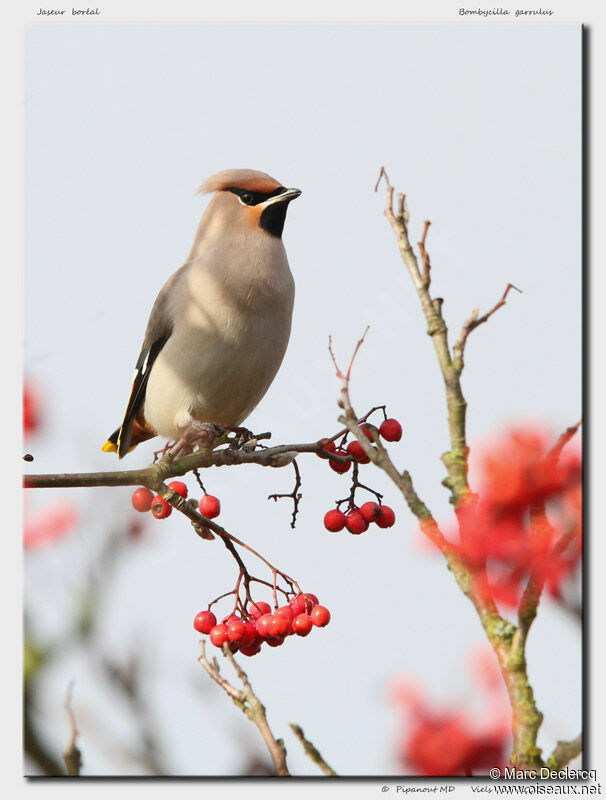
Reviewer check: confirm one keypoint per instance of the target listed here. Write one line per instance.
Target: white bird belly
(214, 374)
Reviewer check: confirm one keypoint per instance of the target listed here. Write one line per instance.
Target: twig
(564, 752)
(248, 702)
(472, 322)
(311, 750)
(425, 255)
(72, 755)
(295, 495)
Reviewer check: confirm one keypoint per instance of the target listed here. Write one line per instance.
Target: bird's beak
(284, 197)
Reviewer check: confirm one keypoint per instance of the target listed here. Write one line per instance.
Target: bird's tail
(137, 434)
(111, 445)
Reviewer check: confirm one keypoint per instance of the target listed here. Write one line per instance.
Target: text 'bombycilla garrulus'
(219, 328)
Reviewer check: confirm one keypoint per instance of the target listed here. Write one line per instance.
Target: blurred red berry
(179, 487)
(218, 634)
(160, 508)
(205, 621)
(275, 641)
(341, 467)
(330, 446)
(258, 608)
(386, 518)
(31, 409)
(355, 522)
(210, 507)
(302, 624)
(356, 450)
(370, 511)
(142, 499)
(334, 520)
(320, 616)
(49, 523)
(391, 430)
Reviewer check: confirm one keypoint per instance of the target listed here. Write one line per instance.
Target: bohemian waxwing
(219, 328)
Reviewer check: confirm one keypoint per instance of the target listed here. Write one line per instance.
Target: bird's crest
(250, 179)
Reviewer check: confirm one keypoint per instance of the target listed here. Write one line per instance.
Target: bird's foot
(199, 435)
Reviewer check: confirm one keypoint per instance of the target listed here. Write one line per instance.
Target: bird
(220, 325)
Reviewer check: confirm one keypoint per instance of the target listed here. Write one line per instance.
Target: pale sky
(481, 127)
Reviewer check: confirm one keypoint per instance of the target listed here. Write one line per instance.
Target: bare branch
(72, 755)
(248, 702)
(472, 322)
(311, 750)
(295, 495)
(425, 255)
(564, 753)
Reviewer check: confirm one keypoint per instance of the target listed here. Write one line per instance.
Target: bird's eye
(246, 198)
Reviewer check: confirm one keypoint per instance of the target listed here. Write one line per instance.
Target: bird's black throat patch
(272, 219)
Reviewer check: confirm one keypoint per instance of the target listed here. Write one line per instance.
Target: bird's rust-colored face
(262, 201)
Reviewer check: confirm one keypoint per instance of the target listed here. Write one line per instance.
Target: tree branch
(248, 702)
(72, 755)
(507, 641)
(564, 753)
(311, 750)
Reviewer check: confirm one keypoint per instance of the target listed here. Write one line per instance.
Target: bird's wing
(159, 330)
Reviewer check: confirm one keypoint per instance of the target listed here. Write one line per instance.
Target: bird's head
(247, 198)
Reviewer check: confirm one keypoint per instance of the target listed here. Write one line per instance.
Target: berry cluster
(257, 624)
(144, 500)
(358, 519)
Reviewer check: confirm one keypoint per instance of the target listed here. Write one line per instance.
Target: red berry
(275, 641)
(302, 624)
(204, 621)
(142, 499)
(386, 518)
(391, 430)
(334, 520)
(236, 630)
(218, 634)
(160, 508)
(355, 522)
(279, 625)
(209, 506)
(249, 636)
(330, 446)
(370, 511)
(340, 466)
(303, 603)
(320, 616)
(356, 450)
(367, 431)
(262, 625)
(259, 608)
(287, 611)
(251, 649)
(298, 604)
(179, 487)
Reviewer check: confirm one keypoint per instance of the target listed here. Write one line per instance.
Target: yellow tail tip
(109, 447)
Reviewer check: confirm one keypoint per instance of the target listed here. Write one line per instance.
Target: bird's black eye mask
(250, 198)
